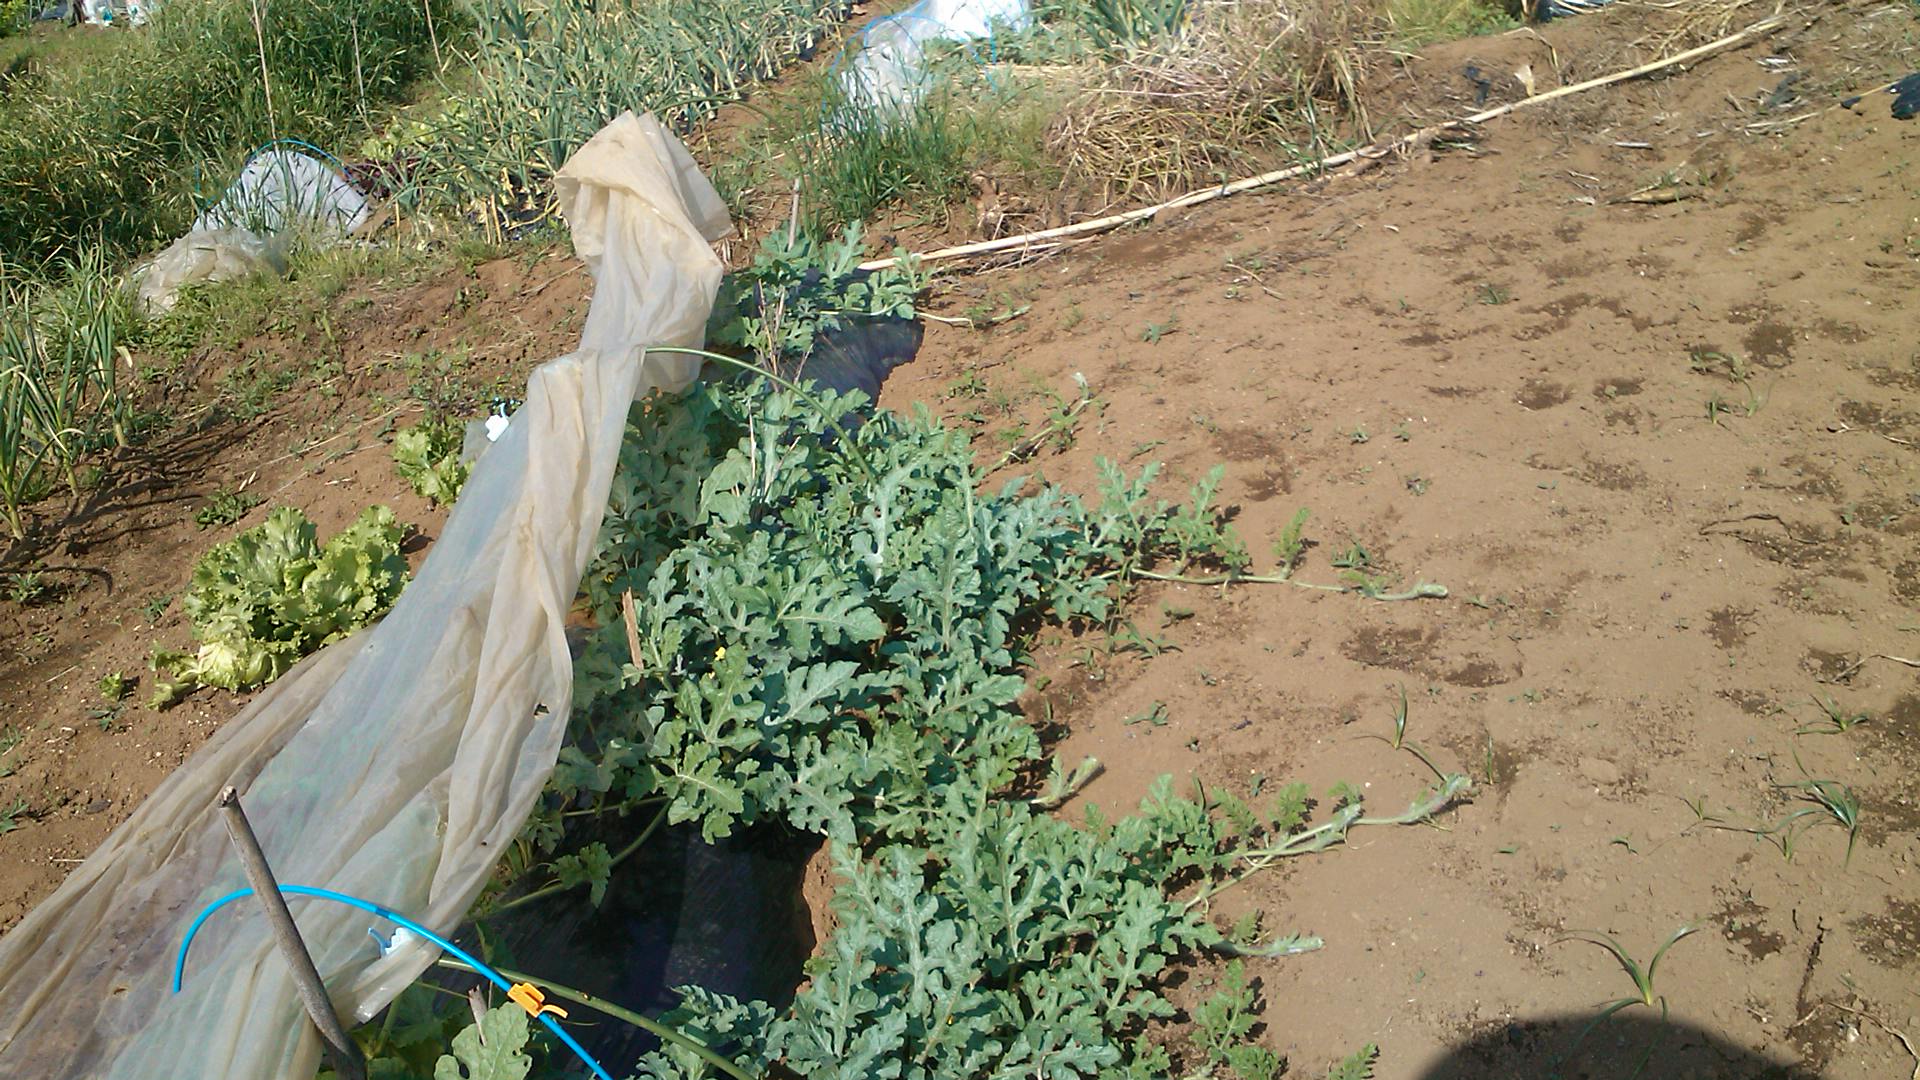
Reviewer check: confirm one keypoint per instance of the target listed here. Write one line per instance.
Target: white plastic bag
(204, 255)
(282, 189)
(399, 764)
(889, 74)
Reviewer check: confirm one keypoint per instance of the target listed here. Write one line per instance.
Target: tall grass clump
(548, 75)
(853, 159)
(1421, 22)
(1227, 90)
(61, 396)
(120, 152)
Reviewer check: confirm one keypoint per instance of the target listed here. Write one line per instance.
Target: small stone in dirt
(1599, 771)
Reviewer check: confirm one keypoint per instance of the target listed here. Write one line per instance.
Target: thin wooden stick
(266, 86)
(342, 1052)
(1195, 198)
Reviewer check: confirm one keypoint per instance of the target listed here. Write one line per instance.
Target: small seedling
(1701, 815)
(1130, 638)
(1289, 545)
(1157, 716)
(1063, 785)
(157, 607)
(1225, 1021)
(968, 385)
(1493, 295)
(1403, 433)
(1836, 800)
(1839, 720)
(1155, 331)
(113, 686)
(1353, 557)
(1716, 408)
(1399, 723)
(224, 508)
(11, 815)
(1358, 435)
(28, 588)
(1416, 484)
(1359, 1064)
(1643, 984)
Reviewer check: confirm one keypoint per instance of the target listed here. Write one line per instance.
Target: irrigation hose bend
(180, 962)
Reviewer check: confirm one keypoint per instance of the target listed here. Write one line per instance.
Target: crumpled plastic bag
(222, 254)
(284, 189)
(399, 764)
(888, 75)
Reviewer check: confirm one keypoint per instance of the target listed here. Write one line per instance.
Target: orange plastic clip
(529, 997)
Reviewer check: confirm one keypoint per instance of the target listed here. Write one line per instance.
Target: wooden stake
(343, 1054)
(1195, 198)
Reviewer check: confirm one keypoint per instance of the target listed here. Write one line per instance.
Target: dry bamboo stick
(341, 1051)
(1194, 198)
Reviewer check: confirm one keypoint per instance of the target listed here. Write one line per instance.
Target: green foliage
(828, 628)
(427, 457)
(1356, 1066)
(225, 507)
(547, 76)
(273, 594)
(1114, 24)
(1421, 22)
(60, 392)
(1009, 944)
(797, 289)
(118, 151)
(11, 814)
(1224, 1023)
(113, 686)
(13, 17)
(494, 1049)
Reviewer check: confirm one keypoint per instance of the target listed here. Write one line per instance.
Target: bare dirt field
(1634, 376)
(1491, 372)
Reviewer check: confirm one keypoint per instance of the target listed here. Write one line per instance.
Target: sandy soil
(344, 377)
(1491, 369)
(1482, 369)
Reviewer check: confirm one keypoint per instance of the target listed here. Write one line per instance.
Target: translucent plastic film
(399, 764)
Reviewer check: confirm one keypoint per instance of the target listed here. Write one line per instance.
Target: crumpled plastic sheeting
(396, 765)
(282, 189)
(888, 74)
(205, 255)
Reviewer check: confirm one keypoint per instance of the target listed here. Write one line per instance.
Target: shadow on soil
(1636, 1047)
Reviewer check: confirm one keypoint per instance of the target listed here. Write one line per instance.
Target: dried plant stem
(1195, 198)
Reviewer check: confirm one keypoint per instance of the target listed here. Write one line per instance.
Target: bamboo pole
(1027, 241)
(342, 1052)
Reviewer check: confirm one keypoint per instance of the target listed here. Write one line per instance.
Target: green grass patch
(124, 153)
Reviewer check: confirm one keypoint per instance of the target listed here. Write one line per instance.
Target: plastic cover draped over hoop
(888, 74)
(400, 763)
(282, 189)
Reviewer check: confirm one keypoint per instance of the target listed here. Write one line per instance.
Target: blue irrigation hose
(180, 963)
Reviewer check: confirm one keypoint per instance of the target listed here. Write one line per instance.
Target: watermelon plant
(823, 624)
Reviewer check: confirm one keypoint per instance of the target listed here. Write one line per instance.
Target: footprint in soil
(1555, 1047)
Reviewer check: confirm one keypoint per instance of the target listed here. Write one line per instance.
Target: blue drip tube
(180, 962)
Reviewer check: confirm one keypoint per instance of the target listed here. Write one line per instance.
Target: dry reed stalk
(1244, 83)
(1050, 237)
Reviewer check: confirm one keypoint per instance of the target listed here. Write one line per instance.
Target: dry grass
(1241, 86)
